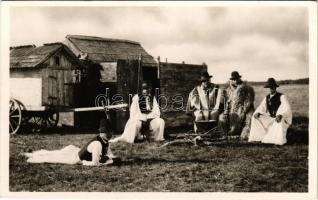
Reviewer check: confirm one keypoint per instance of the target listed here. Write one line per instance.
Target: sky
(259, 42)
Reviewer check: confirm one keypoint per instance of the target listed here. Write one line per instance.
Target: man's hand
(256, 115)
(278, 118)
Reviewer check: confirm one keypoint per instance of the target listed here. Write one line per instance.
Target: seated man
(206, 101)
(272, 117)
(96, 152)
(144, 117)
(240, 106)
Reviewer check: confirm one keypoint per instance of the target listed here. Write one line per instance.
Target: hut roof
(107, 50)
(31, 56)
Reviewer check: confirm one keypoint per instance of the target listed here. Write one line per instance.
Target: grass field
(237, 167)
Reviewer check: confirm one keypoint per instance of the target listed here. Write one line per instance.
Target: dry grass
(237, 167)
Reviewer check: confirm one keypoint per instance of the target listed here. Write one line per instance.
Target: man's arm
(96, 149)
(249, 100)
(261, 109)
(284, 110)
(155, 113)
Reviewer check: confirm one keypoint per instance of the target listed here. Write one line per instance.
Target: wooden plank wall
(127, 76)
(178, 79)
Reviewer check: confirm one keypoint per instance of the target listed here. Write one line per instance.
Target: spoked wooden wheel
(15, 116)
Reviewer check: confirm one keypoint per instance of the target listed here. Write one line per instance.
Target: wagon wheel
(15, 116)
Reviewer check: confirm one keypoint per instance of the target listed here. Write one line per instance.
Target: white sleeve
(110, 153)
(135, 112)
(155, 113)
(96, 149)
(285, 110)
(262, 107)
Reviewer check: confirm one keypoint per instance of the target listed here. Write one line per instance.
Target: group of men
(232, 108)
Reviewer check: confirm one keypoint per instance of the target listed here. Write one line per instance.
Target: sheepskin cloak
(240, 109)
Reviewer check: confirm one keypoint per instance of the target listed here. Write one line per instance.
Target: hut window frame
(57, 60)
(76, 74)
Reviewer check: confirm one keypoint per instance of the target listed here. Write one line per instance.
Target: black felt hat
(235, 75)
(205, 76)
(271, 82)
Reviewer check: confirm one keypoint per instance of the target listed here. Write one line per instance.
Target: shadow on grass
(298, 131)
(145, 161)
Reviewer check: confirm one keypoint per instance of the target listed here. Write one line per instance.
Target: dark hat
(271, 82)
(103, 126)
(205, 76)
(235, 75)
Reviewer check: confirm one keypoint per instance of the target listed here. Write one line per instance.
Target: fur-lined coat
(240, 109)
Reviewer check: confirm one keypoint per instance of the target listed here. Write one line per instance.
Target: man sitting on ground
(240, 106)
(272, 118)
(144, 118)
(206, 101)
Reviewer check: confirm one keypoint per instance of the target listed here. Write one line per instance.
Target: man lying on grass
(96, 152)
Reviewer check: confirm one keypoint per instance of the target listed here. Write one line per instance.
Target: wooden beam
(98, 108)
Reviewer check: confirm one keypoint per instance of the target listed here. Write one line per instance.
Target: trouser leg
(259, 127)
(157, 129)
(246, 126)
(223, 124)
(132, 130)
(198, 116)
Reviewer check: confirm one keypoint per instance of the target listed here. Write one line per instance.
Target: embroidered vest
(272, 104)
(144, 108)
(85, 155)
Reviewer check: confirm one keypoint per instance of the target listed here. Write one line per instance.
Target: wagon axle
(39, 119)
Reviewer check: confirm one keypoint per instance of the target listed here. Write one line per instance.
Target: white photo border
(4, 94)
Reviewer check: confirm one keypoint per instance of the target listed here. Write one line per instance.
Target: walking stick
(138, 75)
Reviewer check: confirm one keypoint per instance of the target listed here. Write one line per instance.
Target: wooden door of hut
(59, 87)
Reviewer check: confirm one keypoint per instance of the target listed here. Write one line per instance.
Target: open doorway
(150, 74)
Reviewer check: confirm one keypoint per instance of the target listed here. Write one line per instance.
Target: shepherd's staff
(138, 76)
(263, 124)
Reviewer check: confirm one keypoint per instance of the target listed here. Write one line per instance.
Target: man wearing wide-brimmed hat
(206, 100)
(272, 118)
(240, 106)
(144, 120)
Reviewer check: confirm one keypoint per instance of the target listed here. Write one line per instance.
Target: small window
(57, 60)
(76, 76)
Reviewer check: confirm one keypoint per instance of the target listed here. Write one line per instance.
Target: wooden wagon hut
(43, 77)
(123, 64)
(109, 63)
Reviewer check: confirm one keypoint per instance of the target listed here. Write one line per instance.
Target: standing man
(240, 106)
(272, 118)
(144, 118)
(206, 100)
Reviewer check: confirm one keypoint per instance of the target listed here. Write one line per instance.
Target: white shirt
(95, 148)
